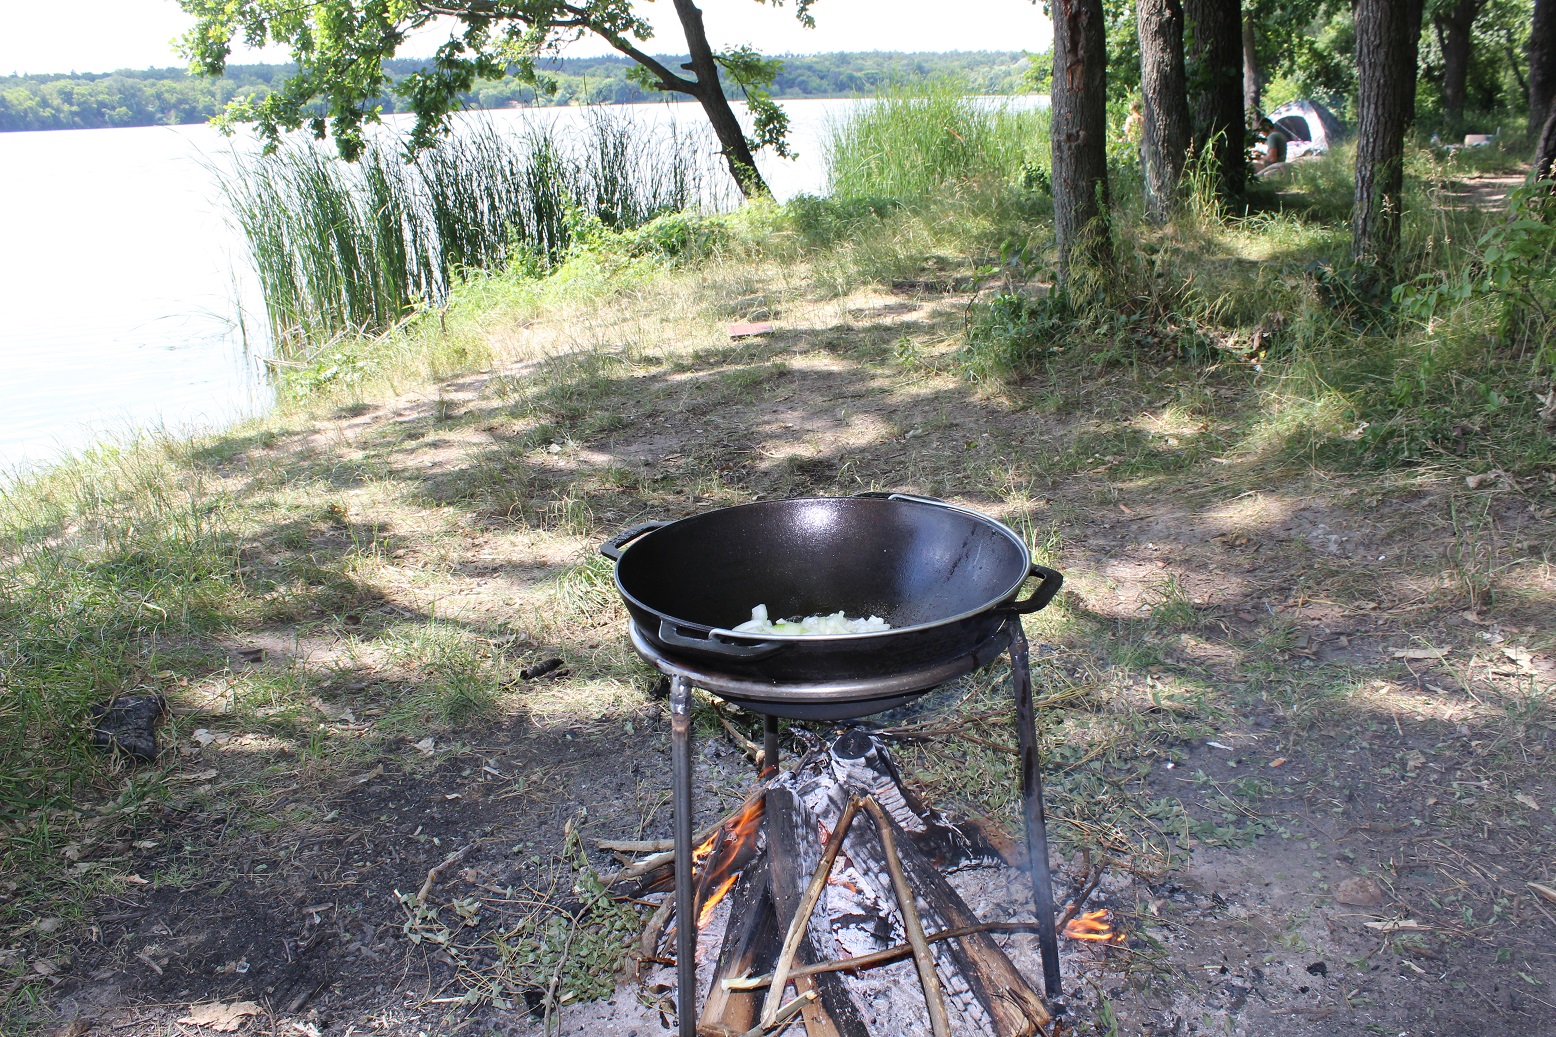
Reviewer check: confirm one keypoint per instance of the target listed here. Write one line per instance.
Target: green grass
(912, 142)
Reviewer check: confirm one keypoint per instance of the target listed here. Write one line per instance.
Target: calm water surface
(122, 282)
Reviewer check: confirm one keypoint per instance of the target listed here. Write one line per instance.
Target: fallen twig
(750, 748)
(436, 872)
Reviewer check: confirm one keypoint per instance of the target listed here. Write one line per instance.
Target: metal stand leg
(685, 910)
(769, 743)
(1032, 808)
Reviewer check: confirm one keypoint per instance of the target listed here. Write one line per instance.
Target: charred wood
(787, 842)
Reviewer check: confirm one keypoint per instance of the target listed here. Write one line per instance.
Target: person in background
(1134, 124)
(1272, 148)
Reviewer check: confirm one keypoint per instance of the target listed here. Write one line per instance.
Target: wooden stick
(433, 874)
(882, 957)
(797, 925)
(934, 997)
(648, 943)
(789, 824)
(635, 845)
(785, 1013)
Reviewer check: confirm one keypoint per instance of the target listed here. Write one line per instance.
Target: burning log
(1012, 1006)
(750, 943)
(803, 914)
(787, 843)
(860, 760)
(656, 873)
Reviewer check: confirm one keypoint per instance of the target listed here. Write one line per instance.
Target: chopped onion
(836, 623)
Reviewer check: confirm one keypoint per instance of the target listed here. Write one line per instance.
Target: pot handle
(1052, 581)
(613, 547)
(920, 499)
(672, 636)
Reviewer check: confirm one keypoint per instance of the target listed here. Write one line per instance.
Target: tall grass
(914, 141)
(352, 249)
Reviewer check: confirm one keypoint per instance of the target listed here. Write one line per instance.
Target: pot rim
(724, 633)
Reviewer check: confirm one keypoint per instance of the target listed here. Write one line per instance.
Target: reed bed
(913, 141)
(353, 249)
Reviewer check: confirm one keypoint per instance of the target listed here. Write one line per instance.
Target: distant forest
(169, 96)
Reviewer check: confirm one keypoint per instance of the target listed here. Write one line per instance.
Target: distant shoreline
(172, 97)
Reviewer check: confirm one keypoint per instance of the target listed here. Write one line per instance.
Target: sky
(103, 35)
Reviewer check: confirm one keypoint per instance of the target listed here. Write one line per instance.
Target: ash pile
(837, 900)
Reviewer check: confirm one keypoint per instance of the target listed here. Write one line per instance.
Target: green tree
(340, 48)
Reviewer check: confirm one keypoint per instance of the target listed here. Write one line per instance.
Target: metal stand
(685, 910)
(681, 768)
(769, 743)
(1032, 809)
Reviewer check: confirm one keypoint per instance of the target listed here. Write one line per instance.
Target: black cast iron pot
(947, 579)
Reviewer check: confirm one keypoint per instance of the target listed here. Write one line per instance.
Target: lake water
(122, 282)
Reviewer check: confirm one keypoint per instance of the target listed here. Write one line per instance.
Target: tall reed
(352, 249)
(914, 141)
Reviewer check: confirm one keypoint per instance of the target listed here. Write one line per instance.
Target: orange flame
(719, 860)
(1095, 926)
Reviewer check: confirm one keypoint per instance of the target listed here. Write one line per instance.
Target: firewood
(749, 942)
(934, 998)
(784, 1014)
(807, 905)
(1015, 1007)
(784, 832)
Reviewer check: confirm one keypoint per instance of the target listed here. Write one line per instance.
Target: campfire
(810, 890)
(828, 871)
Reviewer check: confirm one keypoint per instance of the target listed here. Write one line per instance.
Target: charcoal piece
(129, 725)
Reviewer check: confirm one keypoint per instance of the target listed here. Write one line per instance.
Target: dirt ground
(1304, 715)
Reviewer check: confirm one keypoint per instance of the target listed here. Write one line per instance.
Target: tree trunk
(1388, 34)
(1454, 30)
(1080, 161)
(1252, 87)
(1542, 62)
(1545, 153)
(1215, 72)
(710, 94)
(1163, 89)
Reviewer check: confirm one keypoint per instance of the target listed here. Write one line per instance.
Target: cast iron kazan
(947, 579)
